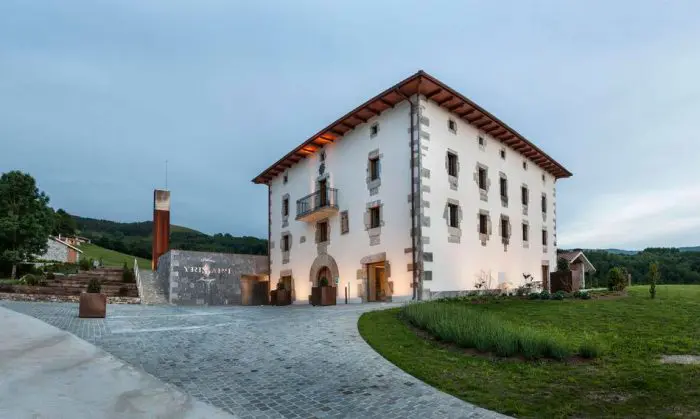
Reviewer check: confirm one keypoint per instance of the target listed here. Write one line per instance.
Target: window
(483, 224)
(544, 180)
(526, 232)
(504, 227)
(344, 223)
(525, 164)
(322, 228)
(285, 179)
(452, 125)
(323, 156)
(544, 203)
(525, 195)
(504, 188)
(285, 207)
(452, 164)
(482, 141)
(374, 217)
(482, 178)
(374, 130)
(503, 153)
(454, 215)
(374, 168)
(285, 243)
(427, 275)
(544, 237)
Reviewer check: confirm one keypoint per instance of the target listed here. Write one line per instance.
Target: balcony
(318, 205)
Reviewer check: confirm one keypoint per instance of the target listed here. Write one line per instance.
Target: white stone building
(477, 209)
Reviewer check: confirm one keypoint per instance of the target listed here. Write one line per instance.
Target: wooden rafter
(375, 112)
(356, 116)
(488, 122)
(433, 94)
(386, 102)
(449, 98)
(455, 107)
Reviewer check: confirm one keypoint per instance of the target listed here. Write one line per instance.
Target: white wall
(346, 161)
(456, 266)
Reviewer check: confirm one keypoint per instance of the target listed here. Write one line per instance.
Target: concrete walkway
(49, 373)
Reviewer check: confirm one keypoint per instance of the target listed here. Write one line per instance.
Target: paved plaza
(260, 362)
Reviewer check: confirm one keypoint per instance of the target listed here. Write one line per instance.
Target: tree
(25, 218)
(654, 277)
(64, 224)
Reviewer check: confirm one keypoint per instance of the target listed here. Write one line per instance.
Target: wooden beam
(492, 129)
(433, 94)
(349, 127)
(336, 132)
(488, 122)
(449, 98)
(372, 110)
(356, 116)
(455, 107)
(386, 102)
(477, 119)
(400, 93)
(496, 133)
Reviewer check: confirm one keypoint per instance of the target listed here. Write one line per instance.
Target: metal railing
(323, 198)
(138, 278)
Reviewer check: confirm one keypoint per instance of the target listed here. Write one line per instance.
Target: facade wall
(346, 169)
(55, 252)
(205, 278)
(457, 258)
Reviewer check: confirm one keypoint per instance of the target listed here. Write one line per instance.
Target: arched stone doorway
(323, 265)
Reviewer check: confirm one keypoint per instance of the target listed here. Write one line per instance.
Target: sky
(96, 95)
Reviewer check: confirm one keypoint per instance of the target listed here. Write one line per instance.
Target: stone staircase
(73, 285)
(152, 291)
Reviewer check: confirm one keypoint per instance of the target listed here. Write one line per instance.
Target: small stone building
(579, 265)
(60, 251)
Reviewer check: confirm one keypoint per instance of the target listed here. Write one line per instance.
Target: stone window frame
(483, 193)
(525, 231)
(286, 237)
(374, 130)
(483, 237)
(525, 164)
(452, 125)
(545, 237)
(504, 221)
(322, 155)
(543, 203)
(454, 233)
(318, 231)
(453, 180)
(504, 198)
(481, 141)
(374, 184)
(525, 197)
(502, 153)
(285, 217)
(285, 178)
(344, 222)
(374, 233)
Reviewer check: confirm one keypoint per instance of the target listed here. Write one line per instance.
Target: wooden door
(545, 277)
(323, 193)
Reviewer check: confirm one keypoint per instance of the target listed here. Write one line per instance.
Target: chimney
(161, 225)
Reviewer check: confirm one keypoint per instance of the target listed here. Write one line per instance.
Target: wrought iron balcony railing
(318, 204)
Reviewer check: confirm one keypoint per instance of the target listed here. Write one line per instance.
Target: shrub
(617, 279)
(469, 328)
(51, 276)
(94, 286)
(559, 295)
(123, 291)
(585, 296)
(534, 296)
(589, 350)
(544, 295)
(654, 277)
(84, 264)
(128, 274)
(31, 279)
(323, 282)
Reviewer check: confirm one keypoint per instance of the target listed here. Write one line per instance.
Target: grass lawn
(626, 380)
(111, 257)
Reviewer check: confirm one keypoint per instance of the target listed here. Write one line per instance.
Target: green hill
(111, 257)
(136, 238)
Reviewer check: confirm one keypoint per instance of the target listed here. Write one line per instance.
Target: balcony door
(322, 193)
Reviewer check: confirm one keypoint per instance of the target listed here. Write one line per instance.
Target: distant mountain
(620, 251)
(136, 238)
(690, 249)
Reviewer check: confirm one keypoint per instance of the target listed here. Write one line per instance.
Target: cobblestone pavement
(261, 362)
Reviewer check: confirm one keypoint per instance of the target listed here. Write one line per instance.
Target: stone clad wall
(56, 251)
(203, 278)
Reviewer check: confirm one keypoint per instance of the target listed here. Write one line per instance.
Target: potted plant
(93, 304)
(284, 296)
(324, 294)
